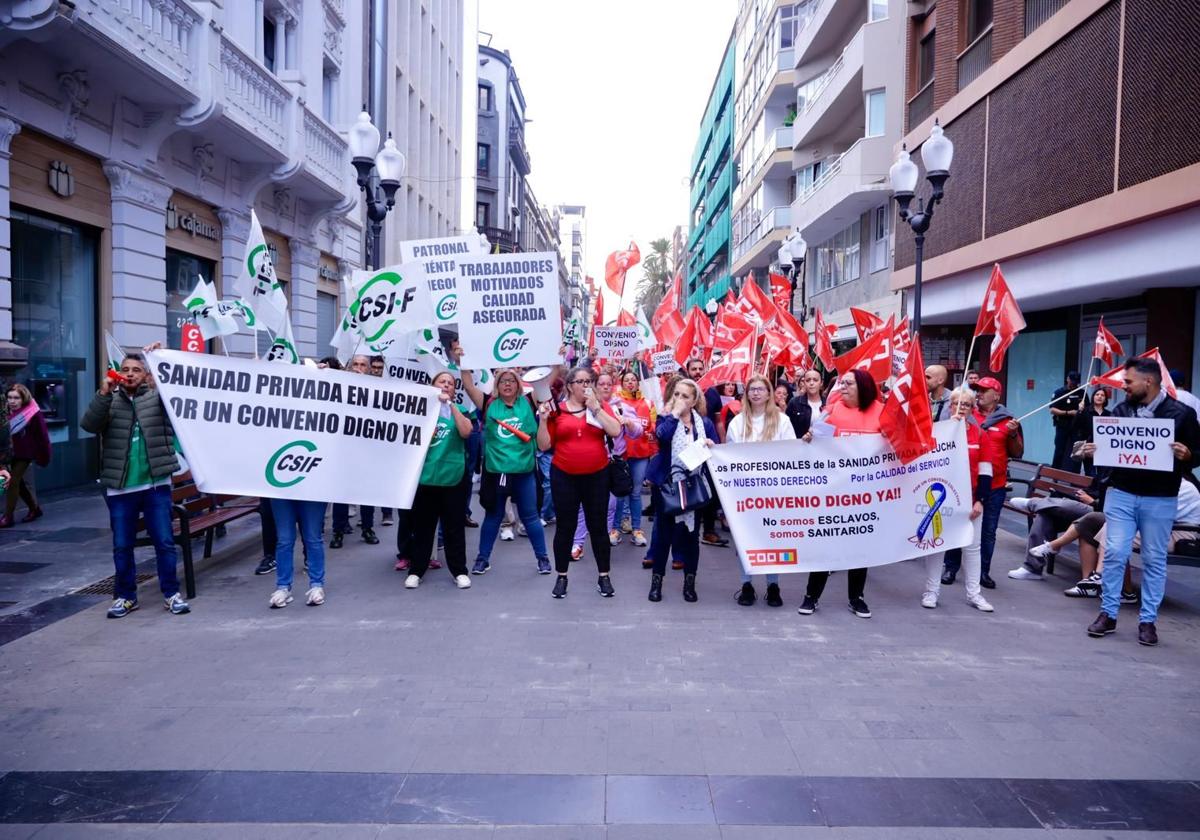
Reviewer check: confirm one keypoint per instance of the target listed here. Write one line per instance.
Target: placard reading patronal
(439, 259)
(1134, 443)
(508, 310)
(616, 342)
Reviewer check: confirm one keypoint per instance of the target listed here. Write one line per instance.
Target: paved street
(499, 712)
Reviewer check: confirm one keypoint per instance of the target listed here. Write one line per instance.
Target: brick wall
(946, 49)
(1008, 26)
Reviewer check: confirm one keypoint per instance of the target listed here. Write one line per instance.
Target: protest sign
(439, 260)
(664, 362)
(843, 502)
(508, 310)
(1134, 443)
(616, 342)
(387, 305)
(256, 428)
(416, 372)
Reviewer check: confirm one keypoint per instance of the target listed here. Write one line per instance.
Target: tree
(658, 270)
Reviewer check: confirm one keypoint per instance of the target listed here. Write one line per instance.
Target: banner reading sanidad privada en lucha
(508, 310)
(843, 502)
(257, 428)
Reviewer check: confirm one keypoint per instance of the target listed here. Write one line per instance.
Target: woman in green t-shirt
(442, 492)
(509, 465)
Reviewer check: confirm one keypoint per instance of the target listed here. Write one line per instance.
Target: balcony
(975, 59)
(165, 34)
(775, 157)
(851, 184)
(256, 102)
(836, 96)
(717, 237)
(827, 23)
(516, 148)
(772, 228)
(326, 155)
(920, 106)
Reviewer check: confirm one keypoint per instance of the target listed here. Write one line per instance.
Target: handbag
(691, 492)
(620, 479)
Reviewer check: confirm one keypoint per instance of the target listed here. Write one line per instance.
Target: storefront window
(54, 317)
(183, 272)
(327, 322)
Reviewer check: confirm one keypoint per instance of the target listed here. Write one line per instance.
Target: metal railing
(975, 59)
(921, 105)
(776, 217)
(1038, 12)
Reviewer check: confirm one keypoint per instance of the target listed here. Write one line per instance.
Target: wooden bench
(194, 514)
(1046, 483)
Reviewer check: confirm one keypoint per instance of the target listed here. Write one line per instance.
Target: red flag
(729, 328)
(730, 299)
(789, 326)
(617, 264)
(754, 304)
(1000, 316)
(865, 323)
(901, 344)
(906, 420)
(824, 348)
(626, 319)
(704, 330)
(1115, 378)
(598, 315)
(1107, 347)
(735, 366)
(667, 322)
(690, 338)
(874, 355)
(781, 290)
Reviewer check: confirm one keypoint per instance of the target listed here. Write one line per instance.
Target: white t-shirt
(735, 432)
(1187, 504)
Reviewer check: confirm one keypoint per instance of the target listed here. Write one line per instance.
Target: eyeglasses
(757, 389)
(581, 381)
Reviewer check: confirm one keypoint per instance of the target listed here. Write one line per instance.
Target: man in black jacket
(1144, 501)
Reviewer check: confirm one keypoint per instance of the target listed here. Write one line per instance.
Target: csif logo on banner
(447, 307)
(292, 463)
(510, 344)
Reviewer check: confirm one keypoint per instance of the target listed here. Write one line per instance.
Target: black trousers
(856, 582)
(430, 506)
(404, 532)
(671, 535)
(269, 535)
(569, 492)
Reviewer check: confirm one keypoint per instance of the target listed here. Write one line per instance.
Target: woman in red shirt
(576, 429)
(856, 412)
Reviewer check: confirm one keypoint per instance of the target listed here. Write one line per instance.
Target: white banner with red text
(842, 502)
(256, 428)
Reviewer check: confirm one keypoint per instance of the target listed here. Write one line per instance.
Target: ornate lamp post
(791, 259)
(936, 153)
(379, 173)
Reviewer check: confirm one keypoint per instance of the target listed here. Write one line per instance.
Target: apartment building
(502, 160)
(1076, 167)
(849, 114)
(713, 173)
(572, 237)
(134, 141)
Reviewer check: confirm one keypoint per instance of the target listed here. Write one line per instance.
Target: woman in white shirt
(759, 420)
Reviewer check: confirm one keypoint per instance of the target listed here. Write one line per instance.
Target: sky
(615, 90)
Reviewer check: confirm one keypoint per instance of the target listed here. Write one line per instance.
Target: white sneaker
(929, 601)
(412, 582)
(521, 532)
(1022, 573)
(463, 582)
(1020, 503)
(1042, 551)
(280, 598)
(315, 597)
(980, 603)
(506, 533)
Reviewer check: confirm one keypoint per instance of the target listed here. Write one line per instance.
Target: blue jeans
(1152, 516)
(522, 487)
(310, 516)
(154, 505)
(543, 466)
(632, 502)
(993, 506)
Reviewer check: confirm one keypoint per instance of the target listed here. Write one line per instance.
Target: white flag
(283, 348)
(645, 331)
(347, 336)
(257, 284)
(212, 316)
(388, 305)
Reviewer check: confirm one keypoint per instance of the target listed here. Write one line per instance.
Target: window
(327, 320)
(483, 165)
(925, 60)
(838, 258)
(181, 273)
(485, 98)
(483, 215)
(876, 108)
(328, 94)
(269, 44)
(877, 10)
(881, 219)
(979, 18)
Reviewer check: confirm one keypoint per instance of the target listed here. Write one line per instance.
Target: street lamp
(936, 153)
(791, 259)
(379, 173)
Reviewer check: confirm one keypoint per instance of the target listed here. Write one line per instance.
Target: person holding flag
(1064, 408)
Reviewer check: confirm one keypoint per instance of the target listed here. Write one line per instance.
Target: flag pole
(1053, 401)
(967, 362)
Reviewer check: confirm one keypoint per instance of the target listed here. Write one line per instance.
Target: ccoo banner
(294, 432)
(843, 502)
(508, 310)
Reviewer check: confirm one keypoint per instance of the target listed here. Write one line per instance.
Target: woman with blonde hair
(760, 420)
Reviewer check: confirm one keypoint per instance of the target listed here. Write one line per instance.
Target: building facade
(134, 141)
(572, 237)
(1076, 167)
(763, 114)
(849, 114)
(713, 174)
(502, 160)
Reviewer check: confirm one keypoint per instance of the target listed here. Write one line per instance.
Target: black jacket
(800, 413)
(1153, 482)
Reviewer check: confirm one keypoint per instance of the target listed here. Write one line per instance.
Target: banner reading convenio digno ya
(843, 503)
(258, 428)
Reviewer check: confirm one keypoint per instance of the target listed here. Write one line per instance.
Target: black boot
(655, 588)
(747, 596)
(774, 599)
(689, 589)
(336, 541)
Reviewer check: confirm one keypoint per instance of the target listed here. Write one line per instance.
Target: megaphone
(539, 379)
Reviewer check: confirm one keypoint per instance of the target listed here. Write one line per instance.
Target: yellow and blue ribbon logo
(935, 497)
